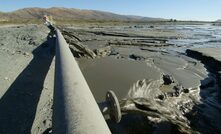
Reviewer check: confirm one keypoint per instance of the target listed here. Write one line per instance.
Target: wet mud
(175, 84)
(166, 77)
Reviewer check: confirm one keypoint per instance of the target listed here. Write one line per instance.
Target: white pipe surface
(75, 110)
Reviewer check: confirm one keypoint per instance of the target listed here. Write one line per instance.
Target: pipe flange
(114, 108)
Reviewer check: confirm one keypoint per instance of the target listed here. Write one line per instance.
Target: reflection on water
(197, 35)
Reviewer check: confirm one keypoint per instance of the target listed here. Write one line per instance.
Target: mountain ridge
(61, 13)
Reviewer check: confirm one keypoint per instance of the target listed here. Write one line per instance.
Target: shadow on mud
(18, 105)
(205, 117)
(139, 124)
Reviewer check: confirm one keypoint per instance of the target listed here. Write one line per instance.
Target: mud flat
(159, 86)
(167, 91)
(26, 79)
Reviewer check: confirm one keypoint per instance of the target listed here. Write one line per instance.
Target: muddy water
(120, 74)
(114, 74)
(196, 36)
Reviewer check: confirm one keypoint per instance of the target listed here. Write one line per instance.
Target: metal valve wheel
(114, 106)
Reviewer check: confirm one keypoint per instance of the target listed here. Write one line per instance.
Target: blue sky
(177, 9)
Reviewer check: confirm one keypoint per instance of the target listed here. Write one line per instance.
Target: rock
(18, 51)
(151, 26)
(26, 54)
(186, 90)
(6, 78)
(168, 79)
(113, 52)
(178, 88)
(103, 51)
(161, 97)
(170, 94)
(31, 42)
(139, 26)
(13, 52)
(175, 91)
(136, 57)
(23, 38)
(47, 122)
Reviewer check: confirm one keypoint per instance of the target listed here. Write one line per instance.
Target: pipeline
(75, 109)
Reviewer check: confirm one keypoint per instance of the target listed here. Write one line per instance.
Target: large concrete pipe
(75, 110)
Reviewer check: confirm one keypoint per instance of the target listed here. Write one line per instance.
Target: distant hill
(218, 20)
(69, 14)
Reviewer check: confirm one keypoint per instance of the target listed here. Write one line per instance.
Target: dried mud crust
(26, 75)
